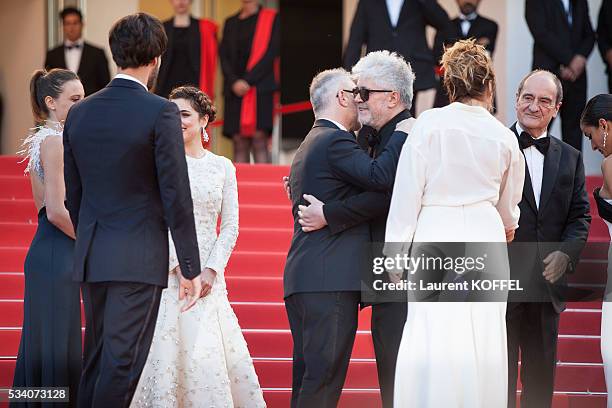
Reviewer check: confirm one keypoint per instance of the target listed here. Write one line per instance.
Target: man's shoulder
(55, 51)
(93, 48)
(567, 149)
(487, 21)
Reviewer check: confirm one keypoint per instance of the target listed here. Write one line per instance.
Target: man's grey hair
(389, 71)
(324, 87)
(555, 79)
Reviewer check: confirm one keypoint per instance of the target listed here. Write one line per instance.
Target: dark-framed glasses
(364, 93)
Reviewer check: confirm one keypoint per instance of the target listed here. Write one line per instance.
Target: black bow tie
(542, 144)
(73, 46)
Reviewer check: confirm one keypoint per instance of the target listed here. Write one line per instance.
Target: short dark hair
(555, 79)
(137, 39)
(43, 84)
(599, 107)
(70, 10)
(199, 101)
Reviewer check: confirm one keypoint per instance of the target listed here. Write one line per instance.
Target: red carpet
(254, 277)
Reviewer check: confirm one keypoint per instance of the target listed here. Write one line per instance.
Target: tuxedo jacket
(604, 30)
(93, 67)
(126, 184)
(481, 28)
(372, 27)
(330, 165)
(561, 222)
(555, 41)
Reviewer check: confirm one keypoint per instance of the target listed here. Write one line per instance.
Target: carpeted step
(251, 215)
(241, 263)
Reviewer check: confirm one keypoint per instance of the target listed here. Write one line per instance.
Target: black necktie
(73, 46)
(373, 142)
(542, 144)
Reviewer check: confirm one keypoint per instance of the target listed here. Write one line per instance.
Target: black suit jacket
(93, 67)
(330, 165)
(560, 223)
(370, 206)
(126, 183)
(555, 42)
(481, 28)
(604, 30)
(371, 26)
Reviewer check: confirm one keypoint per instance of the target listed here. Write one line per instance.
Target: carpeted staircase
(254, 277)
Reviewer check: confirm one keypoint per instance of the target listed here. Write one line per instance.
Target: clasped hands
(191, 290)
(575, 68)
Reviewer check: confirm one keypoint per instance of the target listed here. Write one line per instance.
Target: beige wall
(99, 17)
(22, 54)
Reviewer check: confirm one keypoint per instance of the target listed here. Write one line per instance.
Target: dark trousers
(574, 100)
(388, 321)
(120, 324)
(323, 327)
(532, 328)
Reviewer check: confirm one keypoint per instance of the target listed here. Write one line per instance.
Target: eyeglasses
(543, 103)
(364, 93)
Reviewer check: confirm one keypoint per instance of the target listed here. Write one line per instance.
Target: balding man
(553, 229)
(322, 278)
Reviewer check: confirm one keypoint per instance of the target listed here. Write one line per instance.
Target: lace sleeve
(228, 234)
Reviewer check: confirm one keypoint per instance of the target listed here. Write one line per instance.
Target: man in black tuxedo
(604, 38)
(563, 38)
(469, 24)
(87, 61)
(126, 184)
(400, 28)
(553, 228)
(323, 272)
(339, 215)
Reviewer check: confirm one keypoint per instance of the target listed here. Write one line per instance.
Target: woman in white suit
(459, 179)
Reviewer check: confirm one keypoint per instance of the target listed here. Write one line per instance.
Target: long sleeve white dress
(200, 358)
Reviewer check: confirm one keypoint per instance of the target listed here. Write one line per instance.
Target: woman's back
(467, 152)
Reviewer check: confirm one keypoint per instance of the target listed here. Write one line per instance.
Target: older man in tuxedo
(87, 61)
(322, 278)
(397, 26)
(563, 39)
(553, 228)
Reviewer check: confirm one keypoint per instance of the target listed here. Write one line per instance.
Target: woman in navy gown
(50, 348)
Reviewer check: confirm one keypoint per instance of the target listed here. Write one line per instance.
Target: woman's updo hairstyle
(43, 84)
(468, 71)
(198, 100)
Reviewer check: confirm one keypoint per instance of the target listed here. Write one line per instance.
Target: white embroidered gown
(200, 358)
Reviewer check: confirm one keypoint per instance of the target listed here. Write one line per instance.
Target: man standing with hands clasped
(563, 39)
(553, 228)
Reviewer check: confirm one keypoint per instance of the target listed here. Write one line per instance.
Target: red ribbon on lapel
(261, 41)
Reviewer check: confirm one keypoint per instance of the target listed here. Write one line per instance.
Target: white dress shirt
(394, 7)
(335, 123)
(72, 56)
(535, 164)
(131, 78)
(466, 22)
(568, 10)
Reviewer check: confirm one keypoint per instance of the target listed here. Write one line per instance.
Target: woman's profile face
(598, 136)
(72, 93)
